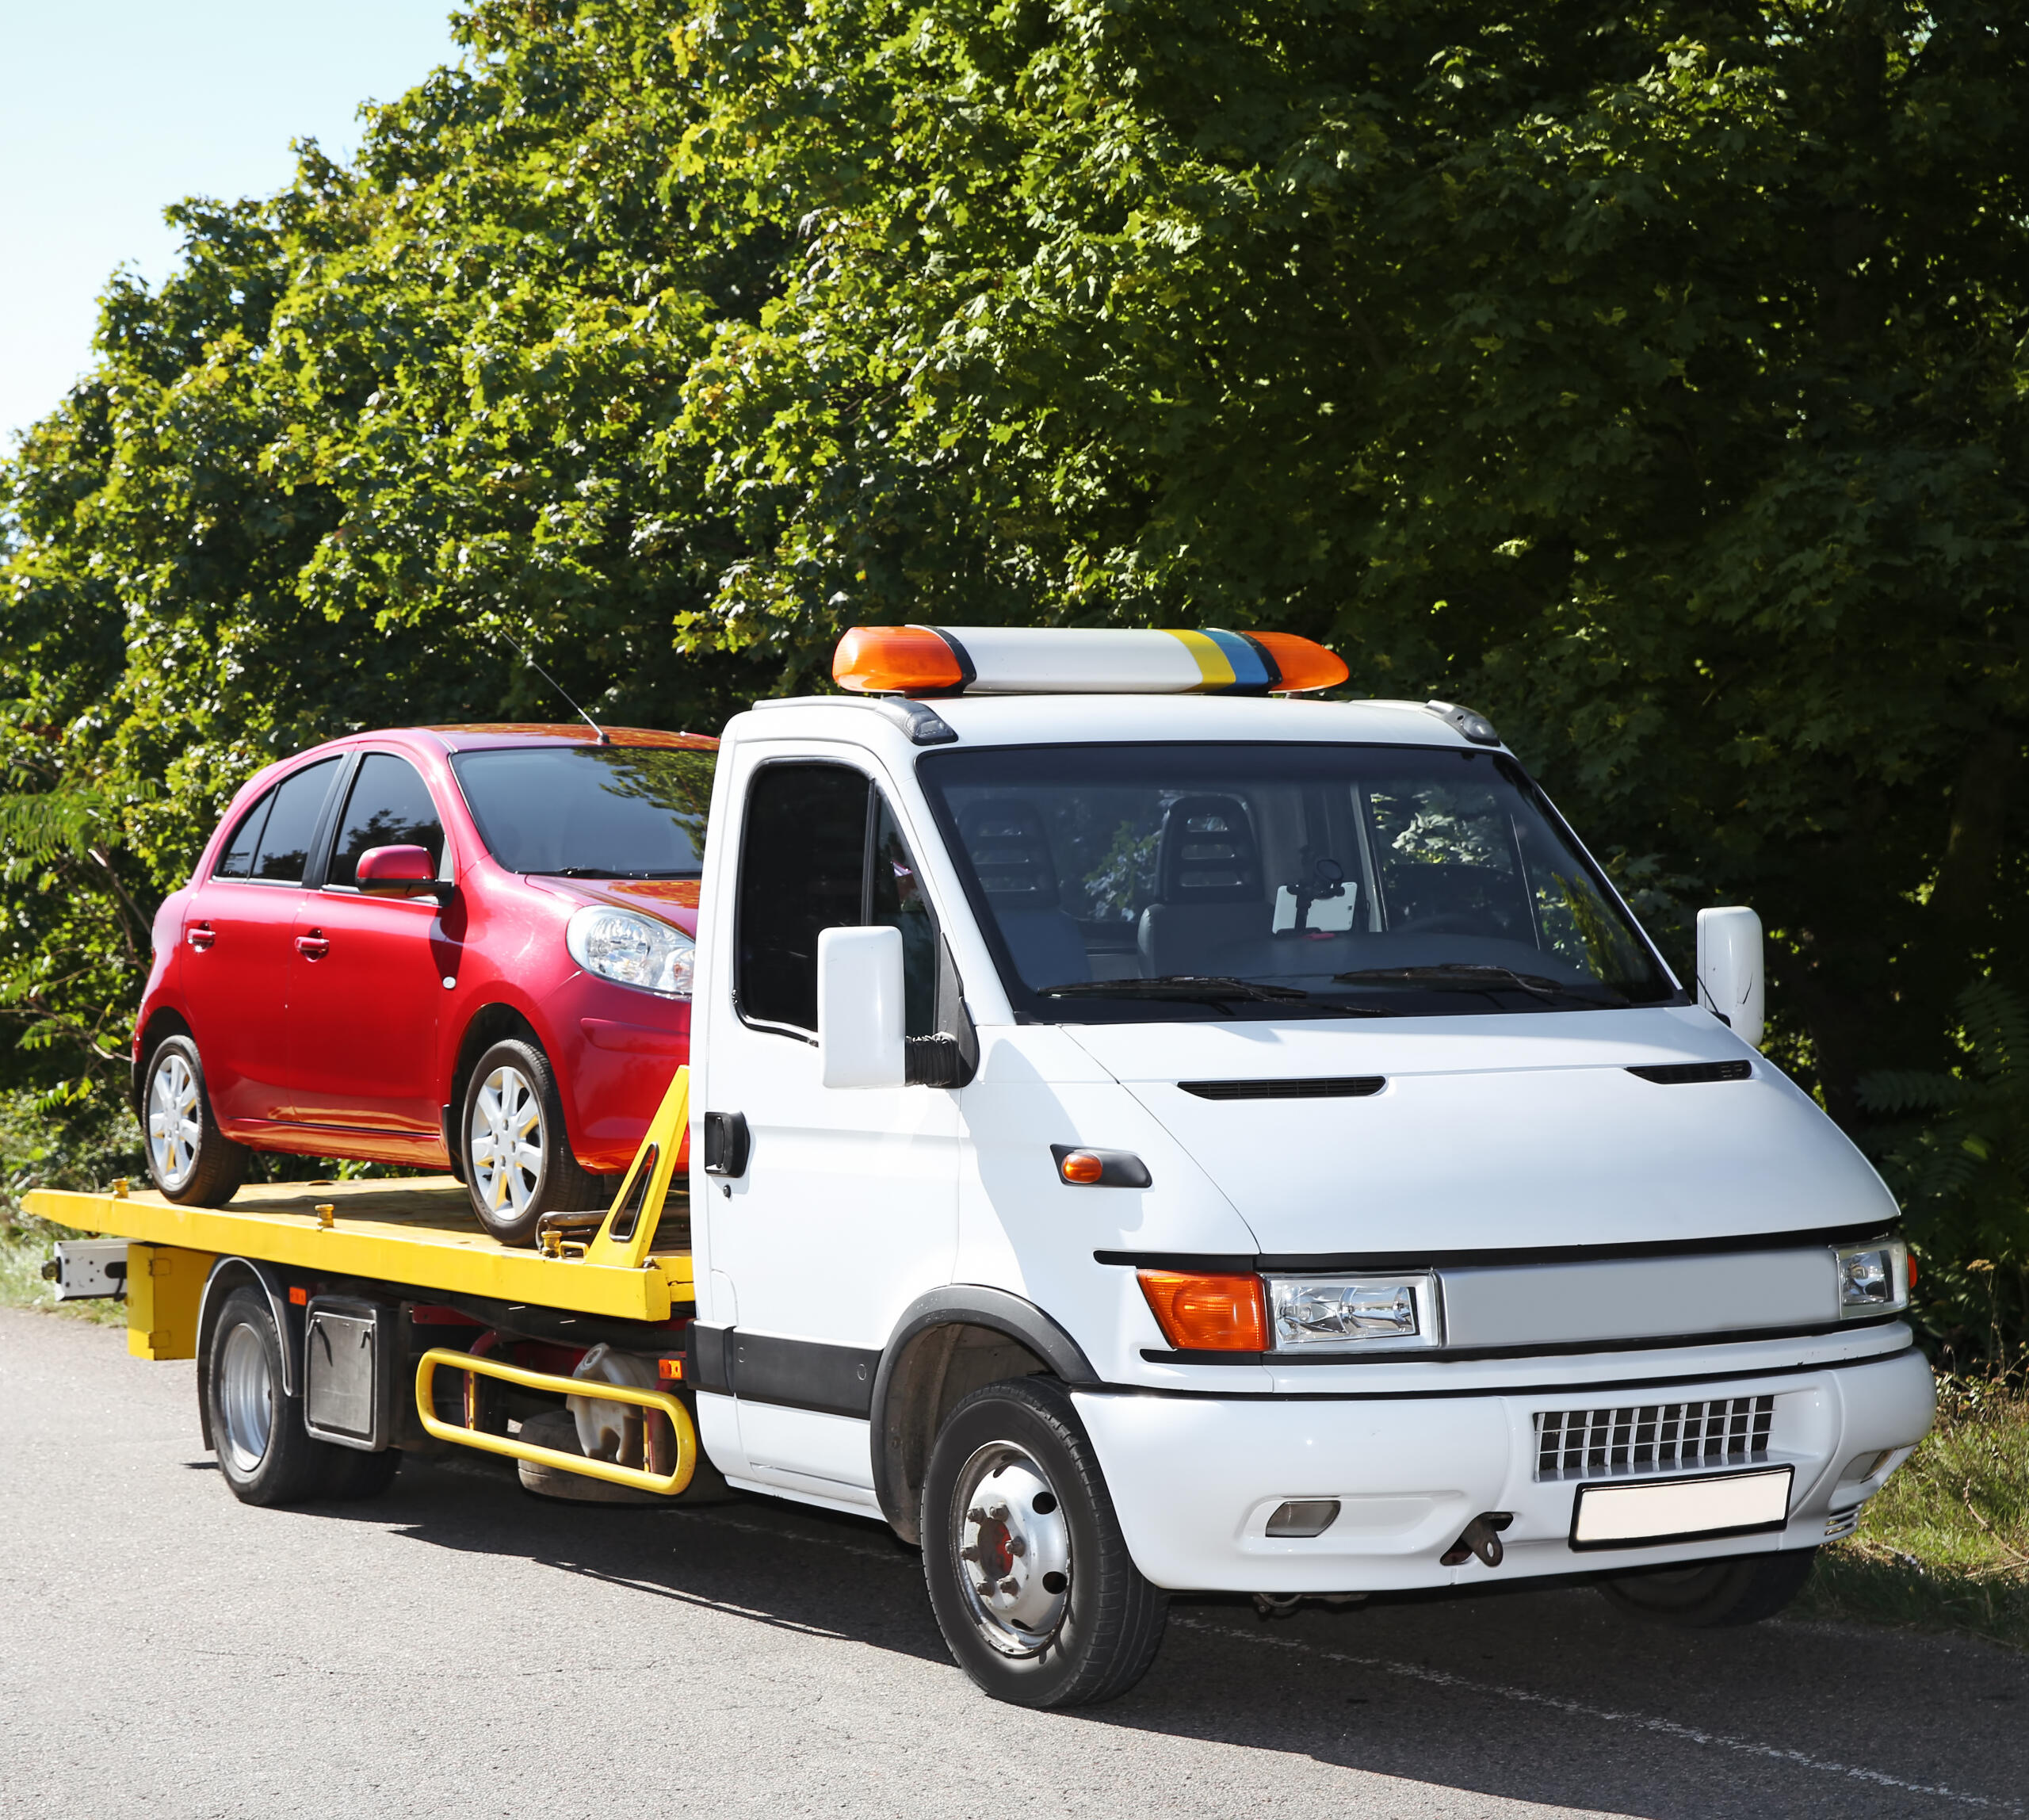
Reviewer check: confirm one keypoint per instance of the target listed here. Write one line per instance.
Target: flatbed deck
(417, 1232)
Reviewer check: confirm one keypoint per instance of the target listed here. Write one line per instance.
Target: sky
(111, 109)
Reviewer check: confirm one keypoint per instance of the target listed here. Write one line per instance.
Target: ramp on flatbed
(418, 1232)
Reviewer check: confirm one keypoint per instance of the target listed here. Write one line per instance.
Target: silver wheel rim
(1012, 1550)
(175, 1120)
(246, 1398)
(504, 1141)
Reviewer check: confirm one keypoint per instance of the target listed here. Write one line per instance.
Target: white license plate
(1681, 1509)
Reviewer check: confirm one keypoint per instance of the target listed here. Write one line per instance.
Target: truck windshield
(605, 811)
(1124, 883)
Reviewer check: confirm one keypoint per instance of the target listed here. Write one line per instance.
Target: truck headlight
(1873, 1277)
(632, 949)
(1348, 1313)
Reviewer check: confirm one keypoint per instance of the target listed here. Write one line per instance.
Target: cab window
(388, 806)
(820, 849)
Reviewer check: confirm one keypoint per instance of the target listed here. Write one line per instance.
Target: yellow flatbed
(419, 1233)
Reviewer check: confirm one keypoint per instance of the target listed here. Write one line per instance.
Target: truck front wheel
(1714, 1595)
(1033, 1588)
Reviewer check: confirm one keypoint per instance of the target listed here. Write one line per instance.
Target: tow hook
(1481, 1537)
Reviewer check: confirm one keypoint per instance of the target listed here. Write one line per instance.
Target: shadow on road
(1537, 1696)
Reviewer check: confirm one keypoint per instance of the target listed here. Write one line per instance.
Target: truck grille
(1652, 1437)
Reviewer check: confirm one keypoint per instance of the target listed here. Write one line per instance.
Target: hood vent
(1340, 1086)
(1679, 1073)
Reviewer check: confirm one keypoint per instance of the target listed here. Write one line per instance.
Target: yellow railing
(668, 1483)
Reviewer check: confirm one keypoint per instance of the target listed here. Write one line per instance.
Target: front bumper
(1195, 1478)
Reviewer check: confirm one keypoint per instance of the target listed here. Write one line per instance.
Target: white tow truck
(1146, 1134)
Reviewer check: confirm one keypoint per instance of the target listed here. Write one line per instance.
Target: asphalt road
(460, 1648)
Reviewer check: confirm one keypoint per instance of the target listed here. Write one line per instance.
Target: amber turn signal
(1082, 1166)
(1304, 663)
(895, 660)
(1207, 1314)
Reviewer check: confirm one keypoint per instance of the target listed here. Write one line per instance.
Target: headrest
(1208, 854)
(1010, 854)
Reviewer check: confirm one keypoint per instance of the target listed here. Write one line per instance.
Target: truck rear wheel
(1714, 1594)
(518, 1165)
(265, 1452)
(190, 1158)
(1030, 1577)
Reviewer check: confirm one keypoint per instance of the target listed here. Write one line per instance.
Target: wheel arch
(947, 1344)
(492, 1023)
(228, 1274)
(163, 1022)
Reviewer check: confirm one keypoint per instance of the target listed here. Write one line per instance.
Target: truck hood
(1494, 1133)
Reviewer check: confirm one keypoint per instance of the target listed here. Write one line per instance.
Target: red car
(460, 948)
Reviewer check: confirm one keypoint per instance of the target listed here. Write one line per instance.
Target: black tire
(1714, 1595)
(512, 1090)
(1080, 1624)
(190, 1159)
(264, 1451)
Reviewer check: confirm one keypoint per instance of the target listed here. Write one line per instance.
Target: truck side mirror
(859, 1008)
(1729, 975)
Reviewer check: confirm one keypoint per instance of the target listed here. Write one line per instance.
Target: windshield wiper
(608, 872)
(1476, 977)
(1210, 988)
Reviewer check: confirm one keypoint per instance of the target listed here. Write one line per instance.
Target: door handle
(202, 936)
(315, 946)
(727, 1143)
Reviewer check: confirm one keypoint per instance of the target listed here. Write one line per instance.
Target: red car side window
(389, 805)
(237, 861)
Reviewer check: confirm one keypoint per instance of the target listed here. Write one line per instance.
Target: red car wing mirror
(396, 872)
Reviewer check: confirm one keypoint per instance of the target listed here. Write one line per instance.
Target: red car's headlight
(632, 949)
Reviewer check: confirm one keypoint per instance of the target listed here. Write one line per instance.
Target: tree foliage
(1651, 376)
(1957, 1153)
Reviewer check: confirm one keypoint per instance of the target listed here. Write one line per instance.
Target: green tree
(1650, 376)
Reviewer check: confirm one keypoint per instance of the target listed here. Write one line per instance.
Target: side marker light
(1088, 1169)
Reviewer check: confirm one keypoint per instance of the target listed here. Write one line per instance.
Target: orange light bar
(896, 659)
(1207, 1314)
(1305, 664)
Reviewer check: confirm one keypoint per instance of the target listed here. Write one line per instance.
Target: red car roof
(481, 735)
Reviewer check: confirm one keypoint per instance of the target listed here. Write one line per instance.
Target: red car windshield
(605, 811)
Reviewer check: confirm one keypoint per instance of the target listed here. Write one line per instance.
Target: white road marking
(1580, 1709)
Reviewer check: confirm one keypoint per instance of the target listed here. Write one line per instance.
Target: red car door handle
(313, 946)
(203, 935)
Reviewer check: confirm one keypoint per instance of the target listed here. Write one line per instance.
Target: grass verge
(1945, 1548)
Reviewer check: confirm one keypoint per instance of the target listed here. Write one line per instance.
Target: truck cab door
(844, 1208)
(236, 936)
